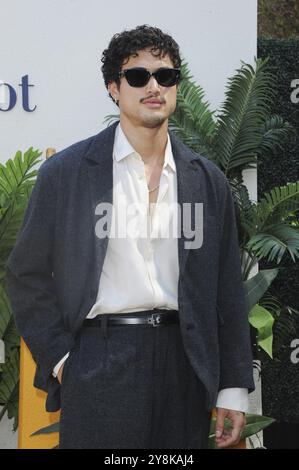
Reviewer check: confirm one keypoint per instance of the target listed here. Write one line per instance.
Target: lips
(153, 101)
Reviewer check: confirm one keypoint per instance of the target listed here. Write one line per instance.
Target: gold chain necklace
(153, 189)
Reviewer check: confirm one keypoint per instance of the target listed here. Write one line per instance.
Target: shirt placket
(151, 221)
(153, 238)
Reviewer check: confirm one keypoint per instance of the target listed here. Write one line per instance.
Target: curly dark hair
(127, 43)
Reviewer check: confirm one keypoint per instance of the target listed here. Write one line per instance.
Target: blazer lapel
(100, 176)
(189, 191)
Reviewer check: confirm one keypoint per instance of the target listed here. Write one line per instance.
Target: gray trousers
(131, 387)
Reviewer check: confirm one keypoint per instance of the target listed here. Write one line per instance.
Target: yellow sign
(32, 413)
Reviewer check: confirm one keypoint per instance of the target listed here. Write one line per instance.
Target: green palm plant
(17, 178)
(193, 122)
(242, 131)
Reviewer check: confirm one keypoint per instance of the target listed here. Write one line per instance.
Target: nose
(152, 85)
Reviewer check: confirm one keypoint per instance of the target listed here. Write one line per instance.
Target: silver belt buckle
(155, 319)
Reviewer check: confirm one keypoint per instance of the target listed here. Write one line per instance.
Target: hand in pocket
(60, 372)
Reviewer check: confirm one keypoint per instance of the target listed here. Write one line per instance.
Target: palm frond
(273, 244)
(275, 132)
(17, 170)
(285, 325)
(192, 121)
(9, 385)
(17, 178)
(277, 205)
(110, 119)
(243, 207)
(271, 303)
(246, 108)
(5, 313)
(11, 336)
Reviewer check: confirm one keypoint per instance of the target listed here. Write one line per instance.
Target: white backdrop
(59, 43)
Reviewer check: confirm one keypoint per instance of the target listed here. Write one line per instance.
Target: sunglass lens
(137, 77)
(167, 77)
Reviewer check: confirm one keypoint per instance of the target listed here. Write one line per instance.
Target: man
(139, 338)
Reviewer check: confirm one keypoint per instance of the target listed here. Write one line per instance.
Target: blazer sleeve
(236, 361)
(29, 278)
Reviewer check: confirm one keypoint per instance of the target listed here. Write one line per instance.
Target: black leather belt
(148, 317)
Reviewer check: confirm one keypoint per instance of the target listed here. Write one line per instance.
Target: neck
(148, 142)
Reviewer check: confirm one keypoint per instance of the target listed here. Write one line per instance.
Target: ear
(113, 90)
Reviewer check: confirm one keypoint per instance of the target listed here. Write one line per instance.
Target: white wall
(59, 43)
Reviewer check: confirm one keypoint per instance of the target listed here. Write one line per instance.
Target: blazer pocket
(220, 317)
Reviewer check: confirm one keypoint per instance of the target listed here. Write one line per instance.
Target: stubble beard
(153, 121)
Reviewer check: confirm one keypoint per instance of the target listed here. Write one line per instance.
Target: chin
(153, 121)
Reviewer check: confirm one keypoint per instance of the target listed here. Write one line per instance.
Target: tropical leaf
(17, 178)
(285, 324)
(9, 228)
(9, 385)
(242, 116)
(13, 407)
(256, 286)
(254, 424)
(272, 303)
(11, 336)
(110, 118)
(192, 121)
(17, 170)
(47, 429)
(243, 207)
(272, 245)
(277, 205)
(262, 320)
(275, 133)
(5, 314)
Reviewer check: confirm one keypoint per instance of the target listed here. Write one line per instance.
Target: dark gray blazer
(54, 269)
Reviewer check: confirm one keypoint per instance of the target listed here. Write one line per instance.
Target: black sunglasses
(139, 76)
